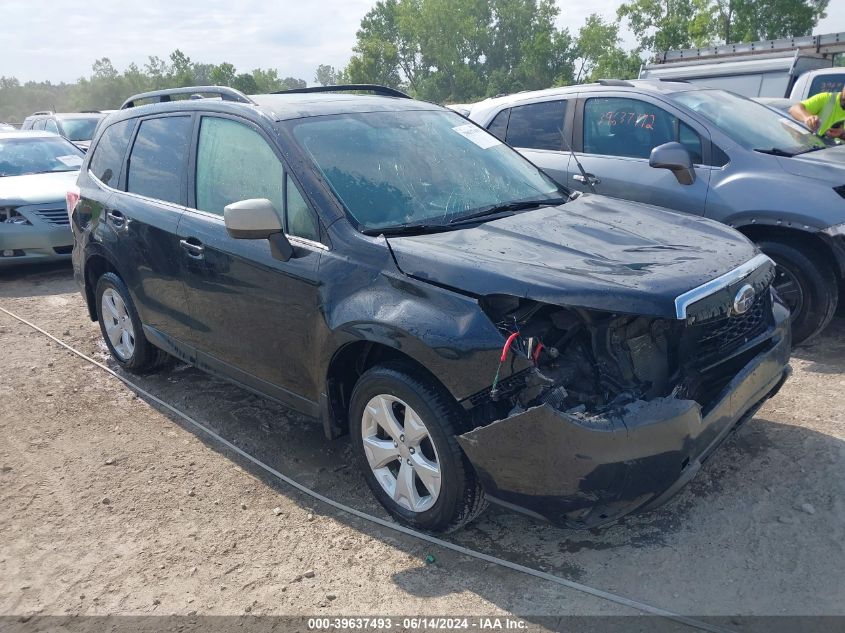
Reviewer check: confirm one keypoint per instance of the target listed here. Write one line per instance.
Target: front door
(255, 316)
(616, 139)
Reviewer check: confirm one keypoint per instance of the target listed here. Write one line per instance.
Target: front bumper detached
(584, 472)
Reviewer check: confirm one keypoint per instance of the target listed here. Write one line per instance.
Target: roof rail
(374, 88)
(615, 82)
(40, 112)
(90, 112)
(160, 96)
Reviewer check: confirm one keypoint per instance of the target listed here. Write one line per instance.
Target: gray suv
(77, 127)
(703, 151)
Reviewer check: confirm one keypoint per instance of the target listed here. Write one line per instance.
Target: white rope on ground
(390, 525)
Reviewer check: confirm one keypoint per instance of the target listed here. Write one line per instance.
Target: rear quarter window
(107, 160)
(537, 125)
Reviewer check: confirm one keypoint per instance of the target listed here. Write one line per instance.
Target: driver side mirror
(674, 157)
(257, 219)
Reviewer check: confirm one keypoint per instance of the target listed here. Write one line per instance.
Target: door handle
(588, 178)
(193, 246)
(117, 218)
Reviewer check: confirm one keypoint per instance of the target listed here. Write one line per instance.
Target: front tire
(808, 286)
(121, 327)
(404, 427)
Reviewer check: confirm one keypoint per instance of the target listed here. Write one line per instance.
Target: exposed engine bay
(589, 364)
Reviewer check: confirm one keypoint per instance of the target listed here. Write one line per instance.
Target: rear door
(537, 130)
(143, 220)
(614, 136)
(254, 315)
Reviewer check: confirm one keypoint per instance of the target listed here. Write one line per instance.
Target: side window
(50, 126)
(499, 125)
(157, 159)
(690, 139)
(38, 125)
(300, 219)
(617, 126)
(537, 125)
(108, 155)
(234, 162)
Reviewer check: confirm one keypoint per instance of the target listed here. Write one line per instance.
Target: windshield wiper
(508, 208)
(775, 151)
(407, 229)
(812, 149)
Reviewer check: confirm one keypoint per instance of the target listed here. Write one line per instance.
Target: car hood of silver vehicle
(592, 252)
(35, 188)
(825, 164)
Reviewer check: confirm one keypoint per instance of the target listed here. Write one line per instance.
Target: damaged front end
(605, 413)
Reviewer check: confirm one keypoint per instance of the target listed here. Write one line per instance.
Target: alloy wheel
(789, 289)
(118, 324)
(401, 453)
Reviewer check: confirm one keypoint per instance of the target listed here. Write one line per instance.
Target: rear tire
(807, 284)
(122, 329)
(399, 396)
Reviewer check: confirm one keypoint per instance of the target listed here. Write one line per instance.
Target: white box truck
(794, 68)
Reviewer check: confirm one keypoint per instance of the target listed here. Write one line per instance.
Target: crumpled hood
(827, 165)
(35, 188)
(593, 252)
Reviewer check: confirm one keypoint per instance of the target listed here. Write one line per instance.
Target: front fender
(444, 331)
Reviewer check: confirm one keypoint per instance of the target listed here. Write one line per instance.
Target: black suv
(77, 127)
(389, 267)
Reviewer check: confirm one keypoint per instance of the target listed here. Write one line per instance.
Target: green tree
(181, 69)
(661, 25)
(106, 87)
(670, 24)
(526, 51)
(599, 55)
(460, 50)
(223, 74)
(246, 83)
(752, 20)
(326, 75)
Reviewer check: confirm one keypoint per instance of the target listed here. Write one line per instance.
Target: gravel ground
(110, 505)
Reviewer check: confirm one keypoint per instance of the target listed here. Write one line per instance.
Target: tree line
(453, 51)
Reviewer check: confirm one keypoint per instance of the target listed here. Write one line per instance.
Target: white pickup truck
(794, 68)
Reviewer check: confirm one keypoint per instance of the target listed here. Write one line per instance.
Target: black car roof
(280, 107)
(294, 106)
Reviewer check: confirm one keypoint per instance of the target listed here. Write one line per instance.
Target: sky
(58, 40)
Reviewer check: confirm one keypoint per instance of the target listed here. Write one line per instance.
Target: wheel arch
(96, 265)
(790, 234)
(344, 369)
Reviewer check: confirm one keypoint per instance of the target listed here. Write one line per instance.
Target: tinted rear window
(827, 83)
(157, 160)
(108, 156)
(537, 125)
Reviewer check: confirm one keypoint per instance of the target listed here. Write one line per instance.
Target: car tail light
(72, 198)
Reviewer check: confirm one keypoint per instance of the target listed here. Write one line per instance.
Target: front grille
(53, 216)
(713, 352)
(730, 332)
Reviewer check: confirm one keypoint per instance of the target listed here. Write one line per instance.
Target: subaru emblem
(744, 299)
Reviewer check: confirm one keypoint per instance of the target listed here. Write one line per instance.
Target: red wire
(507, 347)
(537, 351)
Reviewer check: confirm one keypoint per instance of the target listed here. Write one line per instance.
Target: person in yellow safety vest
(823, 113)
